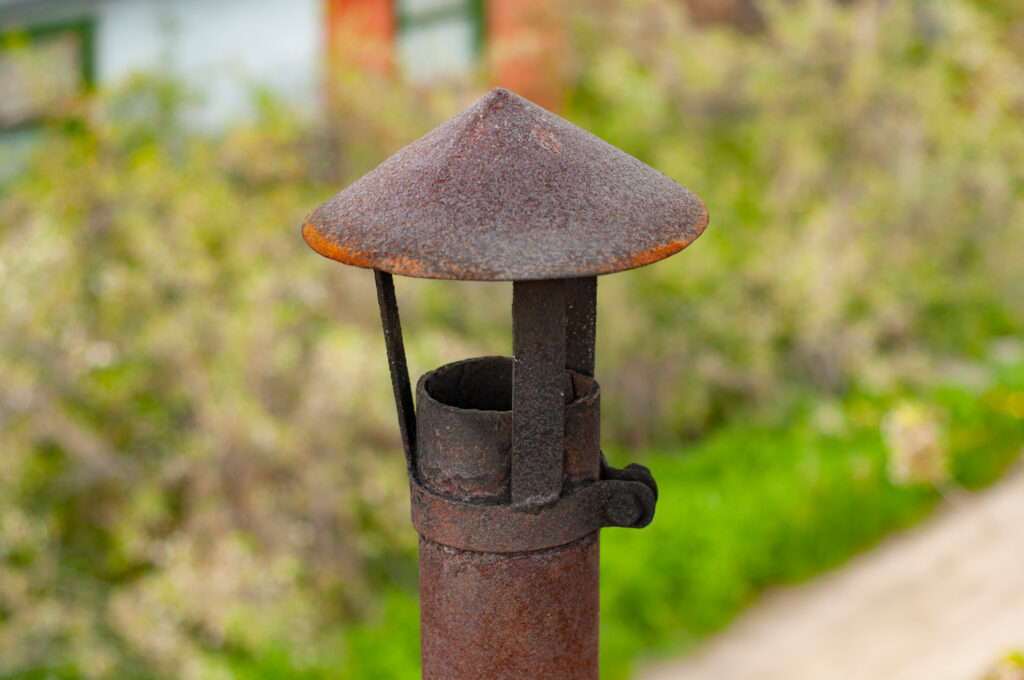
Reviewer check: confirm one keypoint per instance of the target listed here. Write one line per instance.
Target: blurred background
(200, 469)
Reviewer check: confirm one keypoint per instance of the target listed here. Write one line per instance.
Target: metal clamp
(622, 498)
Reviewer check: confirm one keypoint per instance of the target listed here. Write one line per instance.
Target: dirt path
(942, 602)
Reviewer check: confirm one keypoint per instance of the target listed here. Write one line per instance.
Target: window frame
(472, 9)
(83, 27)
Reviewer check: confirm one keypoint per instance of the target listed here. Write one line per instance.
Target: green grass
(753, 507)
(748, 508)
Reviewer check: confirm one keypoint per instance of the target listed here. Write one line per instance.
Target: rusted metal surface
(538, 392)
(396, 363)
(582, 431)
(465, 433)
(506, 190)
(510, 617)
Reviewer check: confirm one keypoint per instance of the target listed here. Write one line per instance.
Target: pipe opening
(485, 384)
(482, 384)
(464, 429)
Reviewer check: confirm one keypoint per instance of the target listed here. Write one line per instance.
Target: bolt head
(624, 509)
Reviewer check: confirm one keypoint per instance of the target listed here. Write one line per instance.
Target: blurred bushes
(200, 474)
(191, 411)
(862, 170)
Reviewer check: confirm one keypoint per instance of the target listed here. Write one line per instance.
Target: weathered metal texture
(506, 190)
(465, 431)
(464, 439)
(509, 617)
(582, 431)
(538, 392)
(580, 324)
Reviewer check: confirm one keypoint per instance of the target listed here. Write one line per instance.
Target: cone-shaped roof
(506, 190)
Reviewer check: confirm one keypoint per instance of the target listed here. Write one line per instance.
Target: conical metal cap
(506, 190)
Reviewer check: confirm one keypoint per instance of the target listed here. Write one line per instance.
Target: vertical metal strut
(538, 391)
(580, 324)
(396, 362)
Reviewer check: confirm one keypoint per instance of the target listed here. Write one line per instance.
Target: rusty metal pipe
(498, 615)
(509, 487)
(509, 589)
(510, 616)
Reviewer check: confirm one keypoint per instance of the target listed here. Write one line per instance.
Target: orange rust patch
(652, 255)
(315, 240)
(406, 266)
(402, 265)
(661, 252)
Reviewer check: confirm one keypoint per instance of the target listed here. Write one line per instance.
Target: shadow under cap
(506, 190)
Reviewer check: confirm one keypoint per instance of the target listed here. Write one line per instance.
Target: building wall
(361, 34)
(222, 48)
(518, 44)
(527, 48)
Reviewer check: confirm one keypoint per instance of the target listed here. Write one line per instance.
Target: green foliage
(200, 475)
(751, 507)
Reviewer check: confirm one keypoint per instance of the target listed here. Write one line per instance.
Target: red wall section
(361, 33)
(526, 49)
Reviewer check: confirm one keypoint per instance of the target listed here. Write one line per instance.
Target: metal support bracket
(538, 392)
(392, 326)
